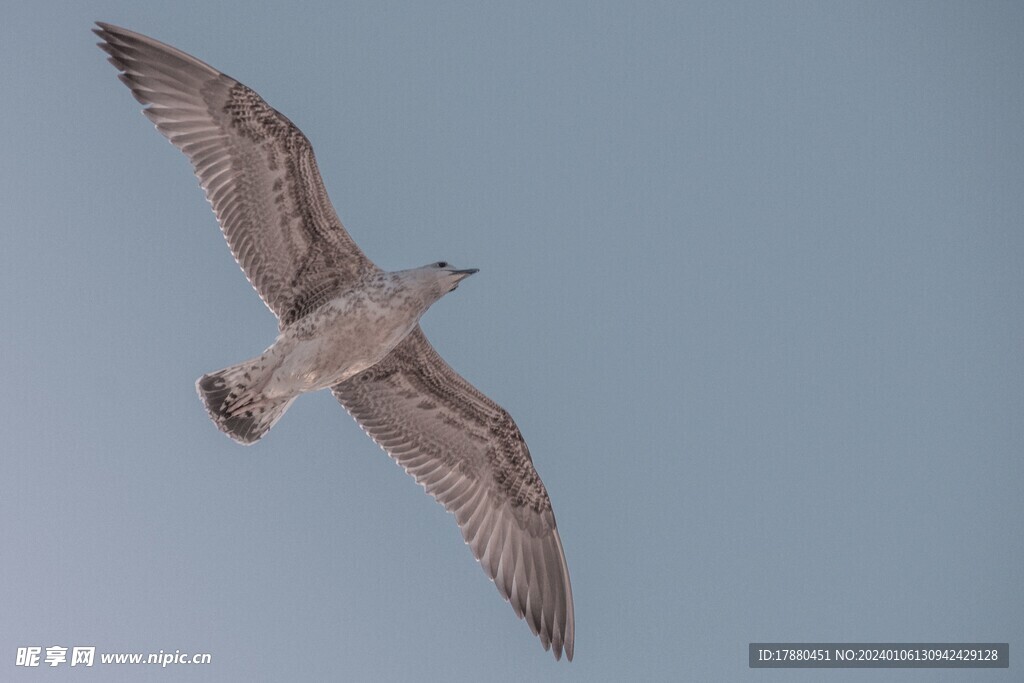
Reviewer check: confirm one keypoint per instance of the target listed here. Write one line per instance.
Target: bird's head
(438, 278)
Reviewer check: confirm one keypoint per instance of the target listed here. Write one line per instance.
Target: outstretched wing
(468, 454)
(256, 168)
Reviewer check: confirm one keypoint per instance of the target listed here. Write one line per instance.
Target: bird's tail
(236, 404)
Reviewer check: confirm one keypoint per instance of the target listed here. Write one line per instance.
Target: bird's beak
(461, 275)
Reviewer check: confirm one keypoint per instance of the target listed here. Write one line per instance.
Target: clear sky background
(751, 285)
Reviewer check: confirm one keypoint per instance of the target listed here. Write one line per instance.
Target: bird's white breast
(344, 337)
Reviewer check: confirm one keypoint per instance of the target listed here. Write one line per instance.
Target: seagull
(347, 325)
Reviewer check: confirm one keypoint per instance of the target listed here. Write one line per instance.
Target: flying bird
(347, 325)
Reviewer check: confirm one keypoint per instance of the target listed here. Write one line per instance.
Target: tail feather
(233, 399)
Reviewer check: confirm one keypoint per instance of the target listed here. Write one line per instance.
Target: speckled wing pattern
(256, 167)
(468, 454)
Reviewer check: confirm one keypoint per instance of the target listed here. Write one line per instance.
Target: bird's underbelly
(339, 347)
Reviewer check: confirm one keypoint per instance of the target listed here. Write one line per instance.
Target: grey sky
(750, 284)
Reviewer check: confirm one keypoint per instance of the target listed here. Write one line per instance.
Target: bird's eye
(442, 264)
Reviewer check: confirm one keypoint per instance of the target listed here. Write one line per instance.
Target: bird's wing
(468, 454)
(256, 168)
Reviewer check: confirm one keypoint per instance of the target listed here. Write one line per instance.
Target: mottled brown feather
(468, 453)
(256, 167)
